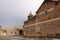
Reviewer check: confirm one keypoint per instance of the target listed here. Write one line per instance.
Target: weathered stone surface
(46, 22)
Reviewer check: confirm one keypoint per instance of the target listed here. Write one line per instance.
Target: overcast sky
(15, 12)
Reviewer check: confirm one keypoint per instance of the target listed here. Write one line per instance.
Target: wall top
(51, 0)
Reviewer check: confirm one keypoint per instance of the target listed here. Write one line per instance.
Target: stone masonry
(46, 22)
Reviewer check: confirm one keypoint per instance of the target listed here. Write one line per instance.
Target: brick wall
(41, 24)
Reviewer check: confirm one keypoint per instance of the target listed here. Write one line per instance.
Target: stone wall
(46, 22)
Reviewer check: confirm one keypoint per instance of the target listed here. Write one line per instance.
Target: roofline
(48, 1)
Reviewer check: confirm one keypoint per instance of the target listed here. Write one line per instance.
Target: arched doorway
(21, 32)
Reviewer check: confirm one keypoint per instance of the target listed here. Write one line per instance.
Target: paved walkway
(22, 38)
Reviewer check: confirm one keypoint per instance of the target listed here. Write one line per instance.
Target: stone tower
(30, 15)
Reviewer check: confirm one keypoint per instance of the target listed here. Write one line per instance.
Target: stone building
(46, 22)
(11, 31)
(2, 32)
